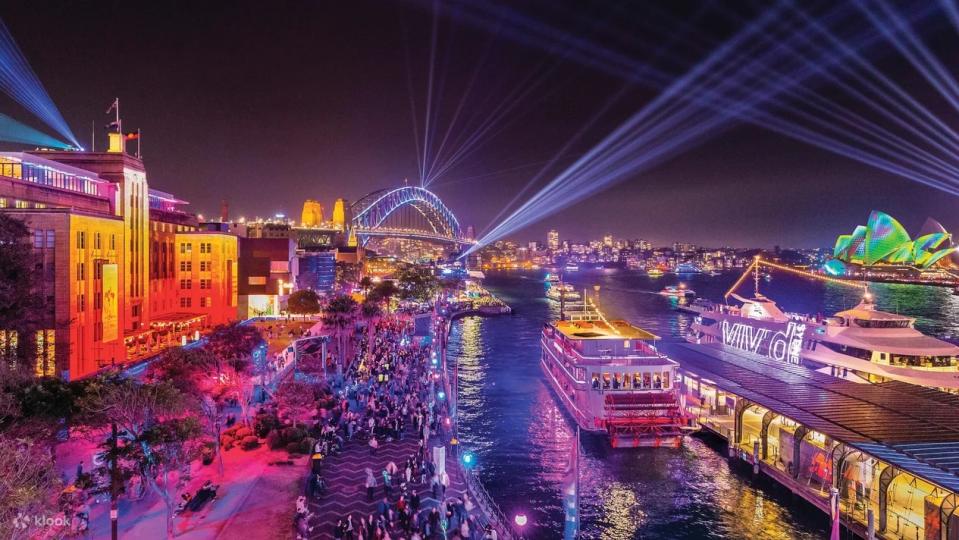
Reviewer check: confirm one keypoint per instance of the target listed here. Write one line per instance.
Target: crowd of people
(385, 396)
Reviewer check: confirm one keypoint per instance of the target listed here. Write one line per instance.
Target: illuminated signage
(111, 306)
(784, 346)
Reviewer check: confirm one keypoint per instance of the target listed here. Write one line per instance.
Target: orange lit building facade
(112, 266)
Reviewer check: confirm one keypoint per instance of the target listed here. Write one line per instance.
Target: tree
(384, 292)
(371, 313)
(366, 284)
(22, 305)
(234, 343)
(296, 400)
(303, 302)
(417, 283)
(153, 438)
(339, 314)
(28, 485)
(194, 372)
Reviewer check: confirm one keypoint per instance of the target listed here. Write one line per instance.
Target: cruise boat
(551, 278)
(677, 291)
(562, 291)
(612, 381)
(862, 343)
(688, 268)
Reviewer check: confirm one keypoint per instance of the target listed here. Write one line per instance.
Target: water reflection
(521, 435)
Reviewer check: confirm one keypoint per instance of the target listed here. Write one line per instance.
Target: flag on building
(571, 492)
(113, 106)
(132, 136)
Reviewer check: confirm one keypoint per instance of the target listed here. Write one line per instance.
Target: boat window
(637, 380)
(626, 344)
(879, 323)
(595, 381)
(617, 382)
(606, 381)
(647, 380)
(657, 382)
(627, 381)
(665, 379)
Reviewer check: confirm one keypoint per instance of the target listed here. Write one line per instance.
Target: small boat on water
(610, 378)
(572, 267)
(563, 291)
(677, 291)
(654, 272)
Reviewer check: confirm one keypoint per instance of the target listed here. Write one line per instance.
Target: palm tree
(371, 313)
(385, 291)
(366, 284)
(339, 314)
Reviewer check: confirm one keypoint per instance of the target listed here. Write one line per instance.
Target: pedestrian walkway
(346, 492)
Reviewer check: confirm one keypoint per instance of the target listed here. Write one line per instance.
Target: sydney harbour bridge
(410, 212)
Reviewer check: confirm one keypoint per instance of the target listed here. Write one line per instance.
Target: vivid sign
(784, 346)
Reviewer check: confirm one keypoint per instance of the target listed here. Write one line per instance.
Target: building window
(37, 239)
(51, 236)
(186, 283)
(81, 240)
(185, 302)
(206, 266)
(96, 241)
(186, 266)
(186, 248)
(205, 284)
(206, 301)
(81, 271)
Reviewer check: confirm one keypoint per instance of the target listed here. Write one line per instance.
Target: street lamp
(520, 520)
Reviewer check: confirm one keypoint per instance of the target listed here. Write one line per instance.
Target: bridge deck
(914, 428)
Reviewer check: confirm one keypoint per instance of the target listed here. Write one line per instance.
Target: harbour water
(509, 417)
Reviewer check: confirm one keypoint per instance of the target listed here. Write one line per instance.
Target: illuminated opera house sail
(884, 241)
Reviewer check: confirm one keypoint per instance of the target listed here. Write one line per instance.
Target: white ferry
(611, 379)
(677, 291)
(563, 292)
(862, 343)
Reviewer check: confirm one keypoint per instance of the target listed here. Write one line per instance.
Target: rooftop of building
(602, 329)
(911, 427)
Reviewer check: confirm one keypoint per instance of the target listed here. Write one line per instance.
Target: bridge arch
(371, 212)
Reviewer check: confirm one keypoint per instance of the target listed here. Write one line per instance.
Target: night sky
(268, 103)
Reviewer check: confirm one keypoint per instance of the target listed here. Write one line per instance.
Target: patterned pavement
(345, 476)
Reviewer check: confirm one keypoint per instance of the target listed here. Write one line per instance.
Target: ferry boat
(562, 291)
(611, 379)
(654, 272)
(680, 291)
(688, 268)
(572, 267)
(862, 344)
(551, 278)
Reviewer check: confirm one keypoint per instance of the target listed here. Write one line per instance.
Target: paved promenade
(346, 492)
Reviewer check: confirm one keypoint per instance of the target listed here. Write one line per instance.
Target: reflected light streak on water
(522, 436)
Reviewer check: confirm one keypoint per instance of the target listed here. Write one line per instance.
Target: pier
(888, 450)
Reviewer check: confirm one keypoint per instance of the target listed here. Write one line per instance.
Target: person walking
(373, 445)
(370, 484)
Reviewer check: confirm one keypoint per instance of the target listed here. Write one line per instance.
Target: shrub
(274, 440)
(264, 423)
(226, 440)
(249, 442)
(306, 446)
(291, 434)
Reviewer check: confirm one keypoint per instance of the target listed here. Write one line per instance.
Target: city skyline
(314, 135)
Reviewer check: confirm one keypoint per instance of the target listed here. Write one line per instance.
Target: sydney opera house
(883, 241)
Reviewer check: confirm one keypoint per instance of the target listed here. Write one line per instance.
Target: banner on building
(111, 303)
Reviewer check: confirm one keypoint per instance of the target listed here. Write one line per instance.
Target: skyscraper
(552, 240)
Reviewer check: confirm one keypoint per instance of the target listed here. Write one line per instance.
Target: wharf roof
(911, 427)
(599, 329)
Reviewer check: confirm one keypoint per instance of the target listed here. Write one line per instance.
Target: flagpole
(93, 136)
(139, 138)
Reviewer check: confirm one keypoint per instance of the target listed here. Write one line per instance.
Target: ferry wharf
(887, 453)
